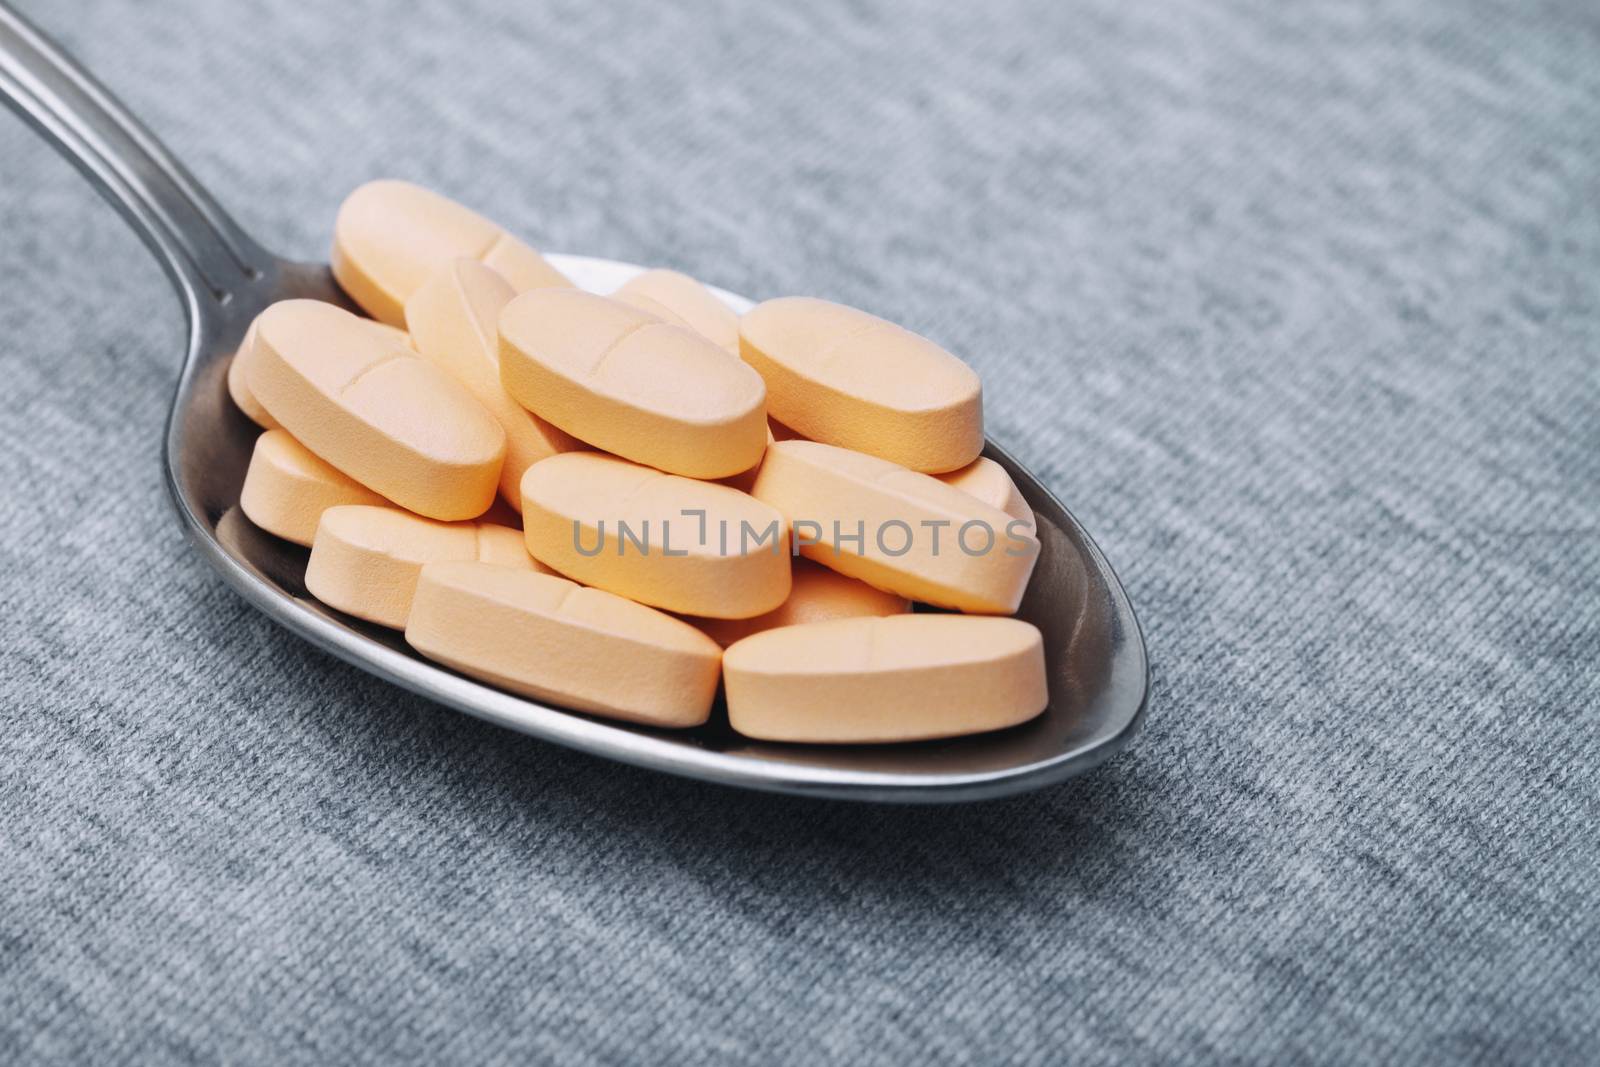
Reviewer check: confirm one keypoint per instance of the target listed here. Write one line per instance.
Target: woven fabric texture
(1297, 306)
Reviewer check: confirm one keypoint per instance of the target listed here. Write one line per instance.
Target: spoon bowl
(1095, 653)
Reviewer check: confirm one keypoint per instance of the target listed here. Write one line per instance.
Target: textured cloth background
(1296, 305)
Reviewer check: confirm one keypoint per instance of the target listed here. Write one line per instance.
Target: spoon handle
(206, 255)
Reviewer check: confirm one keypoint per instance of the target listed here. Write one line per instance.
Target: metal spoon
(1096, 655)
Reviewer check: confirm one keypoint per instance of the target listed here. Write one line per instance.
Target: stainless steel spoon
(1097, 665)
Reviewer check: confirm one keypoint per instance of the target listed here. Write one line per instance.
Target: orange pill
(375, 410)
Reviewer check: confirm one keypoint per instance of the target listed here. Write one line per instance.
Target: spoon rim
(625, 742)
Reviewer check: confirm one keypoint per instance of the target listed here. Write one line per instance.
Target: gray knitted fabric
(1296, 305)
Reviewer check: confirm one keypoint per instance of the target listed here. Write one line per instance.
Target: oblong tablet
(374, 409)
(904, 678)
(239, 373)
(899, 530)
(675, 543)
(365, 560)
(390, 236)
(551, 639)
(624, 381)
(287, 488)
(745, 479)
(847, 378)
(989, 482)
(239, 384)
(452, 319)
(679, 299)
(818, 595)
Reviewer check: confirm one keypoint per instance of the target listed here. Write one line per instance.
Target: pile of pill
(619, 504)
